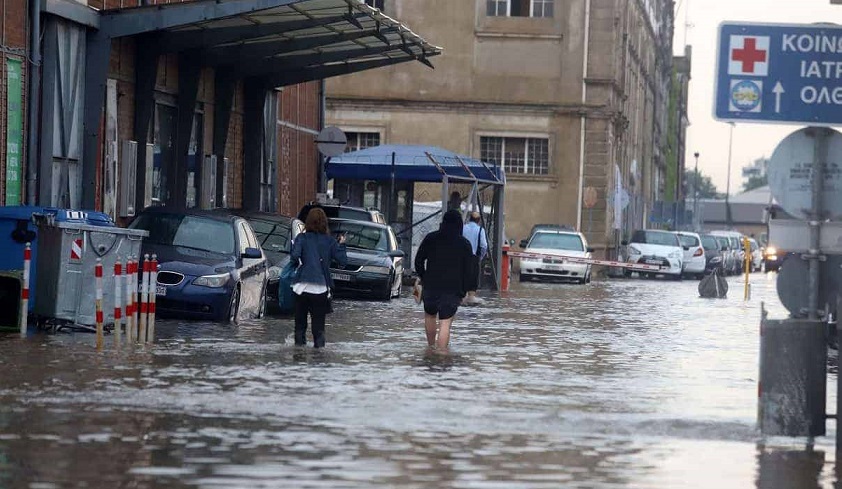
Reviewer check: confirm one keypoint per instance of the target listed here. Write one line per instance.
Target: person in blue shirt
(475, 235)
(314, 251)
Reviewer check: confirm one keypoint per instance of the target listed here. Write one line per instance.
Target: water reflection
(780, 468)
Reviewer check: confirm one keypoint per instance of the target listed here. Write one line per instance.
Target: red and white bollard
(504, 269)
(24, 291)
(153, 296)
(118, 303)
(130, 287)
(99, 318)
(144, 298)
(135, 290)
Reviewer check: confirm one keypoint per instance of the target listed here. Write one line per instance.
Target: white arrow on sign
(778, 90)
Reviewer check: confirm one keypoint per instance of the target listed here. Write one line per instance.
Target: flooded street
(624, 383)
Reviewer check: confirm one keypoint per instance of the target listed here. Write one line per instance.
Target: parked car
(695, 261)
(338, 211)
(714, 254)
(662, 248)
(756, 256)
(555, 242)
(735, 245)
(210, 265)
(275, 234)
(550, 227)
(375, 263)
(729, 260)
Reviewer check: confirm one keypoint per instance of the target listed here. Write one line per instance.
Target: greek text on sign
(779, 73)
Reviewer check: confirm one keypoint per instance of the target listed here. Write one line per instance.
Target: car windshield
(688, 241)
(273, 236)
(710, 243)
(196, 232)
(557, 241)
(360, 236)
(661, 238)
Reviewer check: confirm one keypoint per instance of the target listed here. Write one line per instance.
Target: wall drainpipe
(583, 120)
(34, 93)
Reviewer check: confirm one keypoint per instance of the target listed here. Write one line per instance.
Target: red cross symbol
(749, 55)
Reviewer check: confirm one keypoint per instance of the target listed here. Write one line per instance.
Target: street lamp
(728, 182)
(696, 191)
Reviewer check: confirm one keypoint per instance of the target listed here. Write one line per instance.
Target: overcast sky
(706, 135)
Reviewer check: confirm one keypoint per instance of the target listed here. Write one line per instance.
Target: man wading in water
(443, 263)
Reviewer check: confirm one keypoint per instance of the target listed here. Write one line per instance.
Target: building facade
(564, 95)
(188, 103)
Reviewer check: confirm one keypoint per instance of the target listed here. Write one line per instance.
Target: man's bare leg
(444, 334)
(430, 327)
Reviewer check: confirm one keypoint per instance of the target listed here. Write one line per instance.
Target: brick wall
(298, 157)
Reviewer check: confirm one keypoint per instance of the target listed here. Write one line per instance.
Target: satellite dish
(331, 141)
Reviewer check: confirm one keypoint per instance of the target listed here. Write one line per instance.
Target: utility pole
(728, 219)
(696, 193)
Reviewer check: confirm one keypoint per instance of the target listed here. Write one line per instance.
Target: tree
(697, 182)
(755, 181)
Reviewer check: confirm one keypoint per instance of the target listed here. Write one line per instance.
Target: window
(272, 236)
(688, 241)
(361, 140)
(557, 241)
(519, 8)
(378, 4)
(528, 156)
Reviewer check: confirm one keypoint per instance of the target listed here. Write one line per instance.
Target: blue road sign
(779, 73)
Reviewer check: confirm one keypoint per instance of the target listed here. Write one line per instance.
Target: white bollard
(118, 303)
(24, 291)
(135, 296)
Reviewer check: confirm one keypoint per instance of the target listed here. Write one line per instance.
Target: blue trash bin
(18, 228)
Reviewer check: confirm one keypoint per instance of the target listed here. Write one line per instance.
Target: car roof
(261, 215)
(215, 214)
(354, 221)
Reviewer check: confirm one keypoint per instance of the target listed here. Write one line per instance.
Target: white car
(735, 242)
(694, 254)
(651, 247)
(556, 243)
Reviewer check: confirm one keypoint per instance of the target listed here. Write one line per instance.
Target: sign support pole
(817, 182)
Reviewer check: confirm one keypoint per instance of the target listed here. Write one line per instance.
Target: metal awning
(282, 41)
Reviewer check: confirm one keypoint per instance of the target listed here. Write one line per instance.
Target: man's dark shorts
(444, 305)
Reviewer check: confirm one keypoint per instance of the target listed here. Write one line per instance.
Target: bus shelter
(414, 185)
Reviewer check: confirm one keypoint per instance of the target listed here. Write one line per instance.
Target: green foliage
(702, 184)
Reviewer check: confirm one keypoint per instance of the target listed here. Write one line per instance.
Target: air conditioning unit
(128, 177)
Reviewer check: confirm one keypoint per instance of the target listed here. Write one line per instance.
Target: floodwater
(624, 383)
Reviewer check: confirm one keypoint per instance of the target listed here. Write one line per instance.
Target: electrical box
(128, 178)
(150, 174)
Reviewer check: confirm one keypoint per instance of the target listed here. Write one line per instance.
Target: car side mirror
(624, 243)
(397, 254)
(524, 243)
(591, 249)
(252, 254)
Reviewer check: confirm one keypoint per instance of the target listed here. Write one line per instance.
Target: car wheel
(234, 306)
(588, 279)
(400, 290)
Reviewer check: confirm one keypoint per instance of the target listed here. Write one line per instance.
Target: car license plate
(160, 290)
(555, 267)
(653, 262)
(344, 277)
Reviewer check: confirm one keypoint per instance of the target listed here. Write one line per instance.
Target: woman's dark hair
(316, 221)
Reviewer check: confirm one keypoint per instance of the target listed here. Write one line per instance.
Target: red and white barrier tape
(587, 261)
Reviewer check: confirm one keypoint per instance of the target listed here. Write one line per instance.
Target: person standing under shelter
(443, 264)
(314, 250)
(475, 235)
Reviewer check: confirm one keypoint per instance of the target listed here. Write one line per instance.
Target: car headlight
(676, 255)
(771, 251)
(376, 269)
(213, 281)
(634, 251)
(274, 273)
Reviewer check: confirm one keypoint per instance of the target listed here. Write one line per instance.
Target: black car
(375, 263)
(338, 211)
(275, 234)
(714, 256)
(210, 264)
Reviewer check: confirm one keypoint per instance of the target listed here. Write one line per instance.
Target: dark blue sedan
(210, 265)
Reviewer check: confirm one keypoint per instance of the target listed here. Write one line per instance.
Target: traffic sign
(331, 141)
(791, 169)
(779, 73)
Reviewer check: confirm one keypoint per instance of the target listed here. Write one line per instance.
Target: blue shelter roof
(413, 163)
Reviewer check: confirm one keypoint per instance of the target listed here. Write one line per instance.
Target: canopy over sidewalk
(412, 163)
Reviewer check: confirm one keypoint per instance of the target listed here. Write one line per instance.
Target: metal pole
(817, 181)
(728, 184)
(392, 208)
(696, 192)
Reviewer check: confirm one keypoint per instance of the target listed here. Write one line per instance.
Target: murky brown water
(617, 384)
